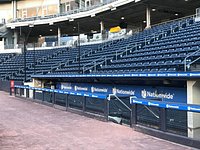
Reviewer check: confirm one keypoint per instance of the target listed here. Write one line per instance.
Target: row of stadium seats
(51, 59)
(162, 48)
(15, 64)
(150, 50)
(4, 57)
(167, 53)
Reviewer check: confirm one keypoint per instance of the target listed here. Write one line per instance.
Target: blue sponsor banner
(133, 99)
(169, 94)
(128, 75)
(84, 87)
(93, 95)
(168, 105)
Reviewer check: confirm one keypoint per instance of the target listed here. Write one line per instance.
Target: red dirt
(25, 125)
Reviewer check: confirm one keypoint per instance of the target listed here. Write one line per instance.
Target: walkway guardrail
(171, 117)
(168, 121)
(166, 105)
(100, 96)
(70, 12)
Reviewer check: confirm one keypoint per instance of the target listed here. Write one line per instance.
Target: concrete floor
(26, 125)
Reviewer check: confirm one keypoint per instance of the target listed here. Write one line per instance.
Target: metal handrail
(95, 65)
(114, 95)
(126, 49)
(178, 19)
(185, 59)
(117, 54)
(60, 63)
(104, 44)
(193, 61)
(91, 50)
(130, 44)
(93, 62)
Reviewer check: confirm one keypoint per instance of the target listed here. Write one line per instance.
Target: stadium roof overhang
(134, 15)
(5, 1)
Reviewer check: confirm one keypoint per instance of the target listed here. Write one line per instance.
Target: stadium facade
(134, 61)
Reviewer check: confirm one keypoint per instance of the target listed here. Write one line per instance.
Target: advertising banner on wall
(169, 94)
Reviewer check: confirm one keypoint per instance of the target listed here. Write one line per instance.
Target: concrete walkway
(26, 125)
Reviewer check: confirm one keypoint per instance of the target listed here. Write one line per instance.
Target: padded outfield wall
(169, 94)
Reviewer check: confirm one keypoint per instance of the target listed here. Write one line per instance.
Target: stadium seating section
(163, 48)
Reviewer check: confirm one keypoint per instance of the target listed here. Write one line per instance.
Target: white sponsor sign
(123, 92)
(95, 89)
(155, 94)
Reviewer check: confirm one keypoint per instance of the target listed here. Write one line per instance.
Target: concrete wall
(9, 40)
(5, 11)
(27, 8)
(5, 85)
(193, 97)
(1, 44)
(36, 3)
(30, 91)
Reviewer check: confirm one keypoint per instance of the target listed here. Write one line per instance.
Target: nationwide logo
(78, 88)
(114, 91)
(102, 90)
(144, 93)
(123, 92)
(154, 94)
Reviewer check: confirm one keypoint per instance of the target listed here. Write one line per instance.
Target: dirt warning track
(25, 125)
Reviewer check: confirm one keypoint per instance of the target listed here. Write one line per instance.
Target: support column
(28, 93)
(102, 30)
(148, 17)
(102, 26)
(193, 97)
(106, 109)
(2, 45)
(3, 41)
(14, 9)
(53, 94)
(80, 4)
(59, 35)
(59, 9)
(15, 39)
(86, 3)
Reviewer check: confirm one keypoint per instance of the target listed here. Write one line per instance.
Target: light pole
(25, 61)
(79, 49)
(25, 44)
(34, 56)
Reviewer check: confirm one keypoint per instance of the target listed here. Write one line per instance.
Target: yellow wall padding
(115, 29)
